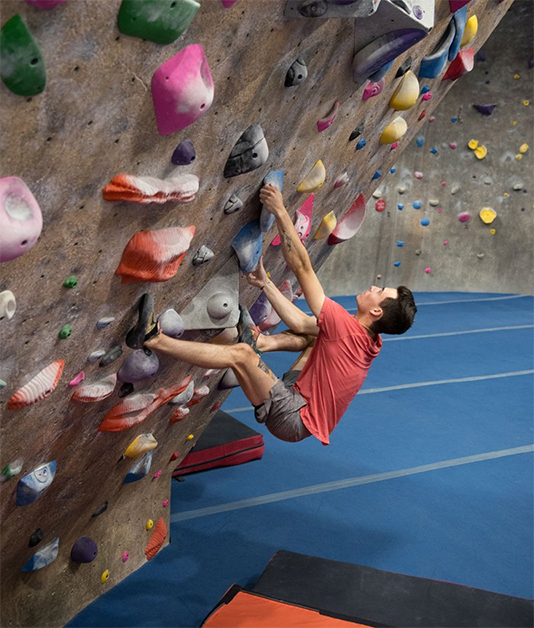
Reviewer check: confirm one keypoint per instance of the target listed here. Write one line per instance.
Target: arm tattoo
(287, 241)
(263, 367)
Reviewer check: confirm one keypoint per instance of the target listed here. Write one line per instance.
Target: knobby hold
(70, 282)
(394, 146)
(149, 525)
(523, 148)
(141, 445)
(453, 145)
(182, 90)
(184, 154)
(425, 222)
(175, 455)
(464, 217)
(36, 537)
(472, 144)
(455, 5)
(302, 221)
(471, 29)
(84, 550)
(459, 20)
(297, 73)
(404, 67)
(171, 324)
(156, 540)
(400, 243)
(433, 64)
(136, 408)
(384, 49)
(350, 223)
(104, 577)
(394, 131)
(78, 379)
(361, 143)
(376, 175)
(233, 204)
(314, 179)
(125, 556)
(102, 323)
(22, 67)
(155, 255)
(180, 413)
(373, 89)
(185, 396)
(272, 318)
(157, 21)
(20, 219)
(312, 8)
(126, 389)
(216, 406)
(156, 475)
(65, 332)
(140, 469)
(203, 255)
(39, 387)
(249, 153)
(139, 365)
(45, 4)
(342, 180)
(8, 305)
(397, 263)
(428, 97)
(46, 555)
(11, 470)
(32, 486)
(418, 175)
(357, 132)
(420, 141)
(485, 110)
(198, 395)
(124, 187)
(487, 215)
(428, 270)
(95, 391)
(247, 245)
(406, 94)
(275, 178)
(96, 355)
(111, 355)
(330, 117)
(433, 202)
(417, 204)
(462, 64)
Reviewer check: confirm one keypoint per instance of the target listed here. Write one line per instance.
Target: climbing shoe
(248, 332)
(146, 326)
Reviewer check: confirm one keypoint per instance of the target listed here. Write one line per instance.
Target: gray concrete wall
(474, 260)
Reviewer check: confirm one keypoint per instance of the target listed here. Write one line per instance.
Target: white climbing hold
(8, 305)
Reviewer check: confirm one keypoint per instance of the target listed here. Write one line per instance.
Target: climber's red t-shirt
(335, 370)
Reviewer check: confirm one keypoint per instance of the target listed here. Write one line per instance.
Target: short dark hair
(398, 314)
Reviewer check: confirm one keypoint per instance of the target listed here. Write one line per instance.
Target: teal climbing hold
(160, 21)
(70, 282)
(21, 64)
(65, 332)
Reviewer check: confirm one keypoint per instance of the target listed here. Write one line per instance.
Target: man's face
(370, 299)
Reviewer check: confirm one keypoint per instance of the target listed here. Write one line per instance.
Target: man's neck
(366, 325)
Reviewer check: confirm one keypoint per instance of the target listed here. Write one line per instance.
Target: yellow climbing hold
(141, 445)
(506, 194)
(519, 157)
(514, 122)
(406, 94)
(516, 76)
(526, 103)
(523, 148)
(481, 152)
(473, 144)
(492, 231)
(315, 179)
(190, 437)
(104, 577)
(326, 227)
(487, 215)
(149, 524)
(470, 30)
(394, 131)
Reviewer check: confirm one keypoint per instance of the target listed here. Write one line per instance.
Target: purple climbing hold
(531, 63)
(184, 154)
(485, 110)
(84, 550)
(260, 309)
(139, 365)
(171, 324)
(481, 56)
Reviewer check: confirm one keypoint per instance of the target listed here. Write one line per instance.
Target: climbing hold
(397, 263)
(400, 243)
(20, 218)
(434, 150)
(260, 309)
(420, 141)
(405, 95)
(472, 144)
(480, 255)
(84, 550)
(470, 31)
(32, 486)
(425, 222)
(400, 206)
(418, 251)
(65, 332)
(216, 406)
(102, 323)
(95, 391)
(182, 90)
(8, 305)
(417, 204)
(100, 510)
(272, 318)
(380, 205)
(394, 146)
(404, 67)
(428, 270)
(39, 387)
(297, 73)
(179, 414)
(126, 389)
(377, 174)
(361, 143)
(155, 255)
(45, 4)
(453, 145)
(523, 148)
(220, 306)
(125, 556)
(455, 5)
(445, 242)
(124, 187)
(357, 131)
(175, 455)
(137, 408)
(190, 437)
(233, 204)
(140, 469)
(139, 365)
(350, 223)
(46, 555)
(111, 355)
(328, 120)
(377, 193)
(96, 355)
(165, 503)
(302, 221)
(22, 66)
(418, 175)
(184, 154)
(458, 24)
(11, 470)
(156, 540)
(428, 96)
(275, 178)
(394, 131)
(184, 397)
(517, 187)
(487, 215)
(153, 20)
(380, 74)
(198, 395)
(342, 180)
(77, 380)
(464, 217)
(36, 537)
(462, 64)
(203, 255)
(373, 89)
(70, 282)
(228, 381)
(485, 110)
(433, 202)
(227, 4)
(455, 189)
(493, 231)
(432, 65)
(104, 577)
(209, 373)
(249, 153)
(141, 445)
(481, 152)
(171, 324)
(156, 475)
(314, 179)
(328, 224)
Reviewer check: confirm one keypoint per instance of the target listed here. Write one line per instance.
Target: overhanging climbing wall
(94, 120)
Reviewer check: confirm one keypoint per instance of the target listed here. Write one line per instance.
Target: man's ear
(376, 312)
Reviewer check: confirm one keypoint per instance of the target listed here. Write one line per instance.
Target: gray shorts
(281, 412)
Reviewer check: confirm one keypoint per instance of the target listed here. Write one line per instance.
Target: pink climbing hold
(325, 122)
(445, 242)
(182, 90)
(443, 184)
(427, 96)
(418, 175)
(156, 475)
(227, 4)
(464, 217)
(125, 557)
(432, 118)
(77, 380)
(453, 145)
(439, 210)
(45, 4)
(394, 146)
(165, 503)
(373, 89)
(428, 270)
(463, 63)
(302, 221)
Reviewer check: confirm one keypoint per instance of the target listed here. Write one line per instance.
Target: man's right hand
(271, 198)
(258, 277)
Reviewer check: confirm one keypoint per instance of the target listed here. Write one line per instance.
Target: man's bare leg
(285, 341)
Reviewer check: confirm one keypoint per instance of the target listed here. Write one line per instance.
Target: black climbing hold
(126, 389)
(297, 73)
(100, 510)
(357, 131)
(313, 8)
(110, 356)
(36, 537)
(404, 67)
(250, 152)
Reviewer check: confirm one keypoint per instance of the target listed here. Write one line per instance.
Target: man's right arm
(290, 314)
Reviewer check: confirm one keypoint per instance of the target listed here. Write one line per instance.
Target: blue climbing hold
(400, 206)
(376, 175)
(397, 263)
(425, 222)
(400, 243)
(424, 89)
(454, 119)
(393, 170)
(417, 204)
(248, 244)
(361, 143)
(275, 178)
(434, 150)
(420, 141)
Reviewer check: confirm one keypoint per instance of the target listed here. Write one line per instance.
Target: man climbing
(338, 347)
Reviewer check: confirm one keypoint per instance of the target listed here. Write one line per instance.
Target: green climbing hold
(21, 64)
(2, 383)
(71, 282)
(65, 332)
(160, 21)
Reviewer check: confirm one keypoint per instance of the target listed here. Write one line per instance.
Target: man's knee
(244, 355)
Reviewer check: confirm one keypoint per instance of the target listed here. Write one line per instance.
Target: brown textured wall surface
(94, 120)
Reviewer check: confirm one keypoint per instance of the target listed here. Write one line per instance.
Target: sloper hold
(124, 187)
(46, 555)
(394, 131)
(260, 309)
(373, 88)
(432, 65)
(249, 153)
(459, 19)
(329, 119)
(171, 324)
(84, 550)
(185, 396)
(21, 64)
(297, 73)
(179, 414)
(406, 94)
(95, 391)
(32, 486)
(326, 227)
(302, 221)
(485, 110)
(184, 154)
(139, 365)
(471, 29)
(275, 178)
(462, 64)
(159, 21)
(182, 90)
(155, 255)
(21, 220)
(141, 445)
(248, 245)
(39, 387)
(314, 179)
(140, 469)
(156, 540)
(349, 225)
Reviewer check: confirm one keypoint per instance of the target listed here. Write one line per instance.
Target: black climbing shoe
(146, 325)
(248, 331)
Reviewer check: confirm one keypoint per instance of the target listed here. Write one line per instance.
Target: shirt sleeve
(334, 321)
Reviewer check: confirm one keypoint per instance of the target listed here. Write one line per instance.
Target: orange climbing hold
(41, 386)
(156, 540)
(125, 187)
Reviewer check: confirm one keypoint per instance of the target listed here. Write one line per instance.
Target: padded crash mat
(387, 598)
(225, 442)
